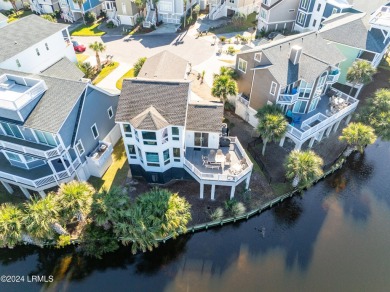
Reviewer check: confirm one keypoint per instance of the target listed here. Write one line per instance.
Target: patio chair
(296, 120)
(212, 152)
(289, 114)
(219, 152)
(243, 160)
(227, 159)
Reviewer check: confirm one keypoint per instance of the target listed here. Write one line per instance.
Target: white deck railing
(243, 100)
(287, 98)
(30, 150)
(333, 78)
(302, 135)
(220, 176)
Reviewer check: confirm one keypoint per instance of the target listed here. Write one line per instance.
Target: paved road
(129, 49)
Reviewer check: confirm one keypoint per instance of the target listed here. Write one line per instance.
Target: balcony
(231, 172)
(243, 99)
(41, 177)
(321, 118)
(100, 159)
(333, 76)
(289, 97)
(17, 91)
(26, 147)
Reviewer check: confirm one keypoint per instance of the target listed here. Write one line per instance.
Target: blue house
(312, 12)
(72, 11)
(53, 128)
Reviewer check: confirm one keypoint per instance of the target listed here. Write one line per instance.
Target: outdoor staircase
(114, 18)
(36, 7)
(150, 17)
(218, 10)
(66, 14)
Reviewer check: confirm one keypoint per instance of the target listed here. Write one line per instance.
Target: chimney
(295, 54)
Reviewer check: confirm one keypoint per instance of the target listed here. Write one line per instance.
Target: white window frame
(97, 131)
(305, 4)
(258, 57)
(263, 14)
(301, 18)
(108, 112)
(273, 88)
(242, 61)
(79, 143)
(319, 7)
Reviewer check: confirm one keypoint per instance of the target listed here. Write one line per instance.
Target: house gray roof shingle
(317, 56)
(352, 30)
(164, 65)
(149, 119)
(56, 103)
(65, 69)
(205, 117)
(19, 35)
(168, 98)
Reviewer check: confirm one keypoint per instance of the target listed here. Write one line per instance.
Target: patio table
(220, 158)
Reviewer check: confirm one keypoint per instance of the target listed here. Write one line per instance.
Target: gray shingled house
(295, 73)
(53, 129)
(168, 136)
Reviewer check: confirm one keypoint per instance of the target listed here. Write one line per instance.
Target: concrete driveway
(130, 49)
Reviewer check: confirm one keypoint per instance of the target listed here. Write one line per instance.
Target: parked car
(78, 47)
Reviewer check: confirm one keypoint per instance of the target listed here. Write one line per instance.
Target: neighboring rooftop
(64, 69)
(55, 104)
(19, 35)
(350, 29)
(164, 65)
(168, 100)
(317, 56)
(204, 117)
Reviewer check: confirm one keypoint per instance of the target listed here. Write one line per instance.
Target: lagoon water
(335, 237)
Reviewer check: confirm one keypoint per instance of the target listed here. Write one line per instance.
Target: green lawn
(128, 74)
(19, 14)
(81, 57)
(105, 71)
(116, 173)
(88, 30)
(249, 22)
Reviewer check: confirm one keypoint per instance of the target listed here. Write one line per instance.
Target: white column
(232, 191)
(336, 126)
(247, 181)
(63, 162)
(282, 141)
(212, 192)
(321, 135)
(312, 142)
(201, 190)
(348, 119)
(25, 192)
(42, 194)
(328, 131)
(298, 146)
(7, 187)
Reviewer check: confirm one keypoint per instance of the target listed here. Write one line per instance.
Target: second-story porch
(330, 110)
(228, 165)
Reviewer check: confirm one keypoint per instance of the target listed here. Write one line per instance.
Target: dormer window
(258, 57)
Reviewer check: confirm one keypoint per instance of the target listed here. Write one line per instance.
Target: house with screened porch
(168, 135)
(295, 73)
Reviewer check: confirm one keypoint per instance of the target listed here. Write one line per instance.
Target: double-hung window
(242, 65)
(304, 4)
(45, 138)
(272, 90)
(176, 154)
(166, 157)
(131, 150)
(152, 159)
(300, 18)
(127, 130)
(175, 133)
(80, 147)
(95, 131)
(149, 138)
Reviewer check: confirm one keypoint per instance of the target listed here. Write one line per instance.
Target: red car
(77, 47)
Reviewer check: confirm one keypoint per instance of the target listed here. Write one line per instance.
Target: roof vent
(295, 54)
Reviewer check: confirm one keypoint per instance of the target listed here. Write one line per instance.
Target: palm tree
(361, 72)
(10, 225)
(358, 136)
(226, 71)
(302, 167)
(75, 199)
(81, 3)
(377, 113)
(87, 69)
(223, 86)
(141, 5)
(272, 124)
(155, 2)
(98, 47)
(13, 3)
(41, 218)
(185, 12)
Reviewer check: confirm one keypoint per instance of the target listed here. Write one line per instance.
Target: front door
(300, 107)
(201, 139)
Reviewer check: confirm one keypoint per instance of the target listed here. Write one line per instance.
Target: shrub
(102, 14)
(238, 19)
(217, 215)
(49, 17)
(87, 69)
(229, 107)
(110, 24)
(90, 17)
(196, 10)
(222, 38)
(238, 209)
(138, 65)
(230, 50)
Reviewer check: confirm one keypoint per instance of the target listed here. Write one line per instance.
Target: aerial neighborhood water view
(194, 145)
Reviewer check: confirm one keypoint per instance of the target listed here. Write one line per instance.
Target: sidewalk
(109, 83)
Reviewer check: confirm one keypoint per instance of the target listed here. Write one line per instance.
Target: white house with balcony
(295, 73)
(53, 129)
(121, 12)
(168, 136)
(32, 44)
